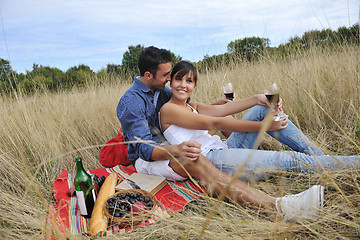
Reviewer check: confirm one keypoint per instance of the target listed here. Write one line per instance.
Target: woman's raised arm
(172, 114)
(232, 107)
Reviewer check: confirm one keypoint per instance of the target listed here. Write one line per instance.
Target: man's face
(162, 76)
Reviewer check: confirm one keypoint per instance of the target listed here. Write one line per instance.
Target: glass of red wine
(228, 91)
(272, 94)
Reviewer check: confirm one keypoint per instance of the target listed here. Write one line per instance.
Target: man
(138, 112)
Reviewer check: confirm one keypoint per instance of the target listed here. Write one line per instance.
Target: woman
(182, 120)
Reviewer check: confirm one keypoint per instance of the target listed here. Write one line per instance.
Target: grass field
(40, 136)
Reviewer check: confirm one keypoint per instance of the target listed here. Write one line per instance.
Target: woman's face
(182, 88)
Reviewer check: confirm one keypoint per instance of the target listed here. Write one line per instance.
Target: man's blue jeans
(304, 157)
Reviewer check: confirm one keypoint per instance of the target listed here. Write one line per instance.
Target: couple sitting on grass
(150, 111)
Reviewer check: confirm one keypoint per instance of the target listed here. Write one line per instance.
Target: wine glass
(272, 94)
(228, 91)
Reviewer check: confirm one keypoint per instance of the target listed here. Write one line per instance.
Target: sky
(63, 33)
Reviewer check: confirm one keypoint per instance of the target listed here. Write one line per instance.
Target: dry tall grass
(42, 134)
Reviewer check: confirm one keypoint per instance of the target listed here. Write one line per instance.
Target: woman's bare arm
(179, 116)
(231, 107)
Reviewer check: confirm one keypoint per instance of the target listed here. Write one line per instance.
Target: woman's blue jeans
(305, 156)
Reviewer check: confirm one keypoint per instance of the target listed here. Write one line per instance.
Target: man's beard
(158, 86)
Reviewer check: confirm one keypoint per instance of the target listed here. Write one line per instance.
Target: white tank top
(176, 135)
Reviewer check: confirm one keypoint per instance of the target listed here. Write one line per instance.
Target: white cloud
(52, 31)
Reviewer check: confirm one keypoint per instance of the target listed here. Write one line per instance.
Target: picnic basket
(127, 217)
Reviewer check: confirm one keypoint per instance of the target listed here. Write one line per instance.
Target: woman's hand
(279, 108)
(223, 100)
(262, 100)
(278, 125)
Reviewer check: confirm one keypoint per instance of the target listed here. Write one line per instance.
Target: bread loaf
(99, 221)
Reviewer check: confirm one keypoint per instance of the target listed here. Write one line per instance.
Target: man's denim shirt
(138, 112)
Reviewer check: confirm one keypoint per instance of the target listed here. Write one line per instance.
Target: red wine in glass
(229, 95)
(274, 98)
(228, 91)
(272, 94)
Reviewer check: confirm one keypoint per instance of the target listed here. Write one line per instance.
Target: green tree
(5, 70)
(113, 69)
(348, 35)
(7, 76)
(130, 59)
(78, 76)
(213, 62)
(318, 38)
(43, 77)
(175, 58)
(248, 48)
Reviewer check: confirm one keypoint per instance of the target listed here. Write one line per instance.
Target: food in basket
(138, 207)
(129, 207)
(127, 203)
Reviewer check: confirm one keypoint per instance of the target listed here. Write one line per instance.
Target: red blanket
(170, 200)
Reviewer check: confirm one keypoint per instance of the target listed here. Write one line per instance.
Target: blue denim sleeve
(132, 116)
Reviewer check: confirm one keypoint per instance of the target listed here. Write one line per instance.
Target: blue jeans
(305, 156)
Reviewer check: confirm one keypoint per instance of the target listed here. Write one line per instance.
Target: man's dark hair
(151, 57)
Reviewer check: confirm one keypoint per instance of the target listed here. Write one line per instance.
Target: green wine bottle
(84, 190)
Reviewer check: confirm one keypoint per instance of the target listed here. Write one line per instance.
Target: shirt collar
(141, 85)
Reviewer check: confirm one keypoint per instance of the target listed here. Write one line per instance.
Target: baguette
(98, 221)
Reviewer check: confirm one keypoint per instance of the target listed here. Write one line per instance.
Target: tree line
(246, 49)
(253, 48)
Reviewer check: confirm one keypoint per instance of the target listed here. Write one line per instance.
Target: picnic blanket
(169, 200)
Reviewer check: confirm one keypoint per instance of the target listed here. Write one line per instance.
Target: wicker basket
(131, 219)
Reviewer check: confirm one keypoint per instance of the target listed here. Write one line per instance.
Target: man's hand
(186, 151)
(189, 151)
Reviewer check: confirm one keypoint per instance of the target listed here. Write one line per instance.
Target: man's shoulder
(167, 91)
(130, 101)
(165, 94)
(132, 93)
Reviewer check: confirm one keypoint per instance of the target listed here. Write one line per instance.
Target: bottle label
(94, 195)
(81, 202)
(86, 203)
